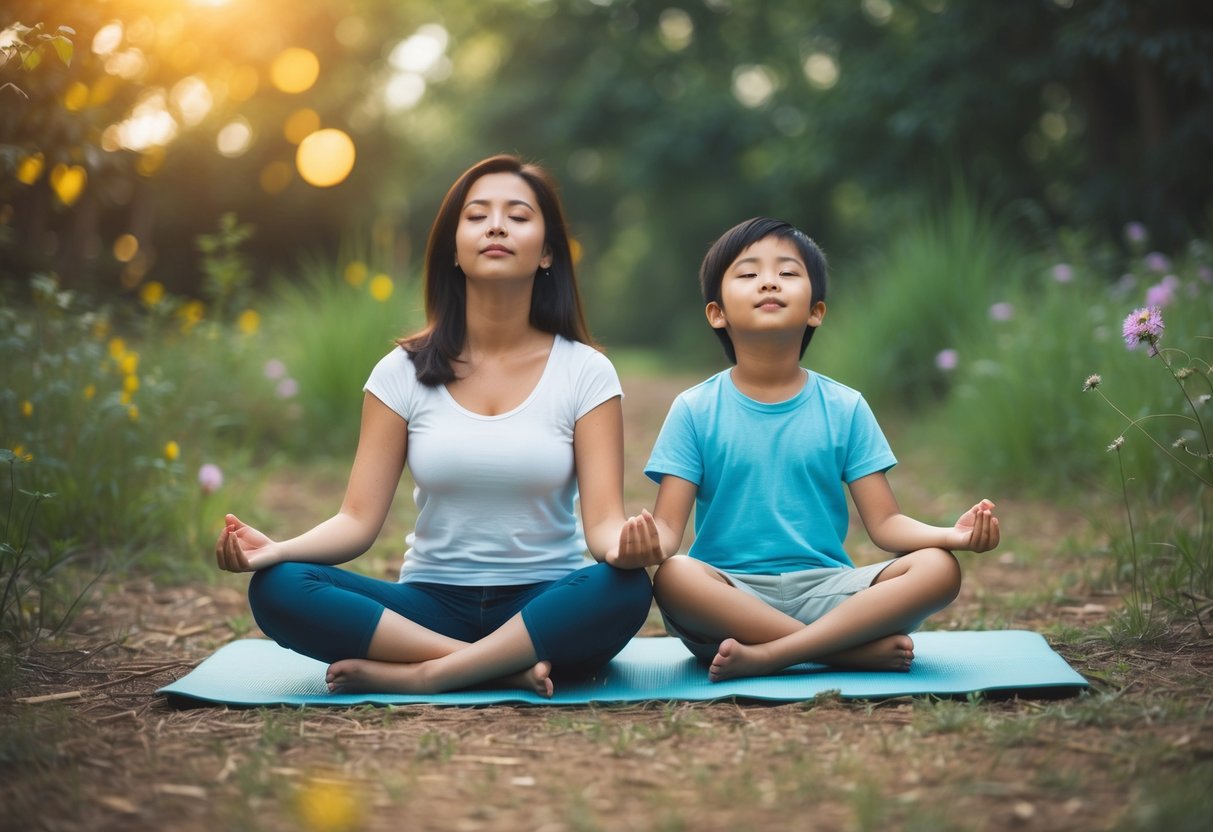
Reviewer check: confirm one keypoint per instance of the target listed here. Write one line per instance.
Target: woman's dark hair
(555, 301)
(729, 246)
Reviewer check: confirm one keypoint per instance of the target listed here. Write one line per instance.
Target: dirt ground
(85, 743)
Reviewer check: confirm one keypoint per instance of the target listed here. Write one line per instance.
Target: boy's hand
(639, 544)
(976, 530)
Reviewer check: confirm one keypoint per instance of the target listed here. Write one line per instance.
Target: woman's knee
(279, 587)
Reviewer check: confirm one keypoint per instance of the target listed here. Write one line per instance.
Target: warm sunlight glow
(150, 124)
(192, 98)
(108, 39)
(421, 51)
(235, 137)
(325, 158)
(295, 70)
(300, 124)
(403, 91)
(125, 248)
(68, 181)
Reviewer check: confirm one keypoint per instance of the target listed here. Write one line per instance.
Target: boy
(762, 451)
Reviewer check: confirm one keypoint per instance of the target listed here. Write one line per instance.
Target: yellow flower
(249, 321)
(130, 384)
(381, 287)
(27, 408)
(132, 412)
(89, 392)
(152, 293)
(117, 348)
(355, 273)
(125, 398)
(101, 328)
(129, 363)
(327, 806)
(171, 451)
(191, 314)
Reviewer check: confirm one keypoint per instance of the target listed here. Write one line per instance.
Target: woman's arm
(598, 456)
(975, 531)
(378, 464)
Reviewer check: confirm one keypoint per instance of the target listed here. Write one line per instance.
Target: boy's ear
(715, 314)
(816, 313)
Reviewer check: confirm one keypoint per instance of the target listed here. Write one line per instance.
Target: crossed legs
(867, 631)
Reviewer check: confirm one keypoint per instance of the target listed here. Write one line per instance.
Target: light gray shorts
(805, 596)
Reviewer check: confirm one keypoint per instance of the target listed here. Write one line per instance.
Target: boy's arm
(975, 531)
(648, 539)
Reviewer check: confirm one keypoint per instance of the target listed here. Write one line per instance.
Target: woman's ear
(545, 261)
(715, 314)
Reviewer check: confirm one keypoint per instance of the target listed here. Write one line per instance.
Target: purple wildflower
(1156, 261)
(1144, 325)
(1063, 272)
(947, 360)
(210, 477)
(1162, 293)
(1002, 311)
(287, 388)
(1135, 233)
(274, 369)
(1205, 274)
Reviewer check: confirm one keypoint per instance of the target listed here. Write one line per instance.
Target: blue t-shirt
(770, 476)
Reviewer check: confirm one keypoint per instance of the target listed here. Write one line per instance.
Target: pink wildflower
(1063, 272)
(274, 369)
(1156, 261)
(1135, 233)
(1002, 311)
(210, 477)
(1144, 325)
(947, 360)
(287, 388)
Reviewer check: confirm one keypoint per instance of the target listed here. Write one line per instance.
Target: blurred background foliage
(666, 122)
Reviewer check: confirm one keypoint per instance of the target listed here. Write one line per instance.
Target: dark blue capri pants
(578, 623)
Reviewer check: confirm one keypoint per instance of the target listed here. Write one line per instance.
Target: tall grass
(328, 327)
(923, 292)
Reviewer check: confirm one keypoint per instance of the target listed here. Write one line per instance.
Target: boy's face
(766, 289)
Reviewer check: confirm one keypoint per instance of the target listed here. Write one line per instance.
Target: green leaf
(30, 60)
(64, 49)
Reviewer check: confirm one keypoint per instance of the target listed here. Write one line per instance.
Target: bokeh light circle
(295, 70)
(325, 158)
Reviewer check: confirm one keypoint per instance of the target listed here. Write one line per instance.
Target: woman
(505, 414)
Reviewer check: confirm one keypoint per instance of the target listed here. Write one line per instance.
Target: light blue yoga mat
(258, 672)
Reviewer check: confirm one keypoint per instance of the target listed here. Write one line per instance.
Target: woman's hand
(976, 530)
(639, 544)
(241, 548)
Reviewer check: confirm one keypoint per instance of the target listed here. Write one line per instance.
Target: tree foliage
(665, 123)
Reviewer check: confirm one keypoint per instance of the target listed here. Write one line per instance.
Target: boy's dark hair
(555, 301)
(729, 246)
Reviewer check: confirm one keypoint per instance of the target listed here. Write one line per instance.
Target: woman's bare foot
(537, 679)
(368, 676)
(734, 659)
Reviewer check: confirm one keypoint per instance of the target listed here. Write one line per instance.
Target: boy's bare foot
(367, 676)
(734, 659)
(895, 652)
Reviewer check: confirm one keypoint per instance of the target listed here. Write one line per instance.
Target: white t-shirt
(495, 494)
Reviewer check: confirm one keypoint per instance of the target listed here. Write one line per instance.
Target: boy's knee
(946, 569)
(671, 573)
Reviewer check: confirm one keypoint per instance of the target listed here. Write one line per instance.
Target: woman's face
(501, 231)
